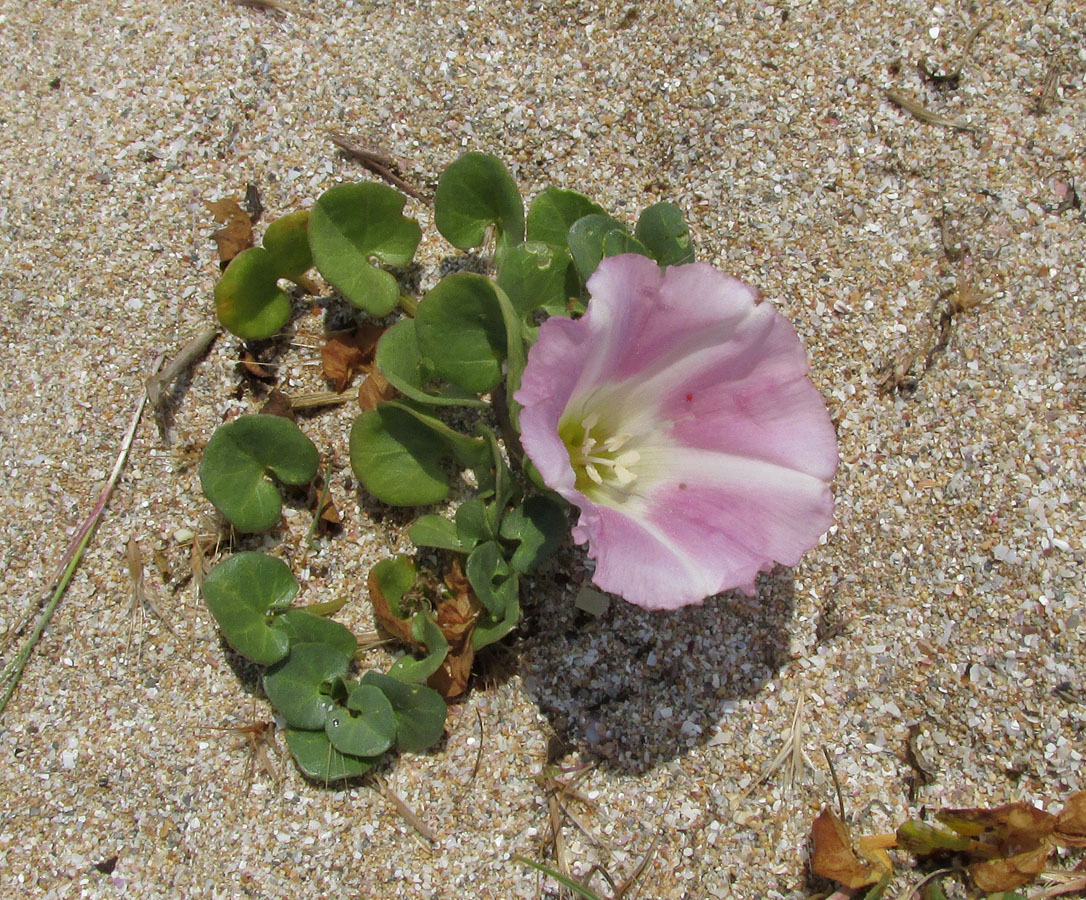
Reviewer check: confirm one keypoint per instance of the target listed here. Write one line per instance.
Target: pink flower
(677, 415)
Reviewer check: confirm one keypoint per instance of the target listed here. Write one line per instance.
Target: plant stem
(408, 304)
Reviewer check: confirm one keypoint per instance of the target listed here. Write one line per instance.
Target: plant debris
(236, 233)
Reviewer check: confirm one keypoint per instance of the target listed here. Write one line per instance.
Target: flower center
(599, 459)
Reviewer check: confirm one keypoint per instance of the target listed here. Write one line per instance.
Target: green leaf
(395, 577)
(615, 243)
(298, 685)
(241, 592)
(239, 459)
(663, 231)
(536, 276)
(587, 241)
(287, 242)
(575, 886)
(366, 726)
(350, 224)
(397, 458)
(553, 213)
(402, 364)
(472, 526)
(492, 578)
(461, 332)
(318, 759)
(539, 525)
(424, 630)
(302, 627)
(434, 531)
(490, 631)
(248, 299)
(420, 711)
(474, 193)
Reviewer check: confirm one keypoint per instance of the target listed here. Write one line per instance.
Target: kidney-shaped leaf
(287, 242)
(540, 526)
(351, 223)
(474, 193)
(303, 627)
(398, 459)
(365, 726)
(241, 592)
(238, 460)
(535, 276)
(400, 361)
(248, 299)
(461, 332)
(298, 685)
(553, 213)
(419, 710)
(594, 237)
(318, 759)
(662, 229)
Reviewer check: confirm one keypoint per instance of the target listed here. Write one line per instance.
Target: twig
(380, 165)
(910, 105)
(188, 354)
(836, 783)
(404, 810)
(13, 671)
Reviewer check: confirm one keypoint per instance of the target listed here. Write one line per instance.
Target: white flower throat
(598, 459)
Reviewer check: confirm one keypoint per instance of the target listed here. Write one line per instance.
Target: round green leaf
(420, 711)
(472, 525)
(366, 726)
(248, 298)
(298, 685)
(460, 330)
(303, 627)
(586, 237)
(241, 592)
(534, 276)
(238, 460)
(662, 230)
(287, 243)
(401, 363)
(398, 459)
(553, 213)
(351, 223)
(474, 193)
(318, 759)
(539, 525)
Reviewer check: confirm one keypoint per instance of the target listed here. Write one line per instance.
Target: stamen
(590, 471)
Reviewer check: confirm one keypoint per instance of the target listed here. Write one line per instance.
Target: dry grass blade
(141, 598)
(405, 811)
(916, 108)
(13, 671)
(189, 354)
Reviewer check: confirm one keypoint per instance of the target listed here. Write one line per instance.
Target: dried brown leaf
(236, 233)
(278, 404)
(255, 367)
(451, 680)
(375, 389)
(1012, 828)
(1071, 821)
(832, 855)
(347, 352)
(1011, 872)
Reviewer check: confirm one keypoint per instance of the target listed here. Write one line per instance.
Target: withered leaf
(1011, 828)
(236, 233)
(255, 367)
(375, 389)
(832, 855)
(451, 680)
(278, 404)
(328, 520)
(1071, 822)
(386, 619)
(1012, 872)
(347, 352)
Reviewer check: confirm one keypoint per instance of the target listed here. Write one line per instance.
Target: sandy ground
(947, 601)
